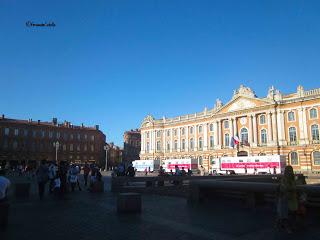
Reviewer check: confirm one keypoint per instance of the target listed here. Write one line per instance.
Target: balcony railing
(315, 141)
(292, 143)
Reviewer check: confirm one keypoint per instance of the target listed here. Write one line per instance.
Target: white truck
(186, 163)
(249, 165)
(141, 165)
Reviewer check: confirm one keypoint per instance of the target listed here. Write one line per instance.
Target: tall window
(263, 136)
(175, 132)
(16, 132)
(313, 113)
(71, 147)
(50, 134)
(244, 135)
(147, 134)
(168, 133)
(316, 157)
(158, 145)
(58, 135)
(85, 137)
(226, 139)
(175, 145)
(200, 143)
(200, 129)
(292, 134)
(78, 147)
(78, 136)
(200, 160)
(191, 144)
(315, 132)
(92, 148)
(148, 146)
(71, 136)
(6, 131)
(294, 158)
(64, 147)
(226, 124)
(158, 133)
(15, 145)
(168, 146)
(291, 116)
(92, 138)
(183, 146)
(182, 131)
(262, 119)
(211, 127)
(85, 147)
(211, 142)
(25, 132)
(191, 130)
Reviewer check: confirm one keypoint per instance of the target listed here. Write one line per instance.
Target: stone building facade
(28, 141)
(131, 145)
(285, 124)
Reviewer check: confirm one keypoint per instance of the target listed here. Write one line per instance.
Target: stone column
(255, 133)
(187, 139)
(231, 121)
(205, 137)
(195, 138)
(306, 132)
(274, 128)
(302, 126)
(281, 131)
(269, 131)
(219, 133)
(142, 142)
(179, 139)
(215, 134)
(164, 143)
(250, 132)
(171, 140)
(235, 127)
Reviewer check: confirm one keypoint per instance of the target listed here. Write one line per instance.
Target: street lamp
(106, 148)
(56, 145)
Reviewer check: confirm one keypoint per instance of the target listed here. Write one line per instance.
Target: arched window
(291, 117)
(200, 160)
(315, 132)
(182, 131)
(148, 147)
(175, 145)
(292, 134)
(158, 133)
(191, 144)
(262, 154)
(226, 124)
(294, 158)
(168, 133)
(262, 119)
(200, 128)
(158, 146)
(168, 146)
(191, 130)
(200, 143)
(211, 127)
(316, 157)
(263, 136)
(313, 113)
(226, 139)
(183, 144)
(244, 135)
(211, 142)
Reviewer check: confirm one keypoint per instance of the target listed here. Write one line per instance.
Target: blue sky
(113, 62)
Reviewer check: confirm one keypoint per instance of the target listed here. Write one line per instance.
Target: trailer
(186, 163)
(272, 164)
(141, 165)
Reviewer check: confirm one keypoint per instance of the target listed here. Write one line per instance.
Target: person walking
(42, 177)
(287, 204)
(86, 171)
(51, 174)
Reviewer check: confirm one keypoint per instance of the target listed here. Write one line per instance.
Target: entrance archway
(242, 154)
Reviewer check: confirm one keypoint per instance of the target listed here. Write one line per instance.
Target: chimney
(82, 125)
(97, 127)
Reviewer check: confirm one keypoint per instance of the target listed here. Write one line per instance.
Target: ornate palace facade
(276, 124)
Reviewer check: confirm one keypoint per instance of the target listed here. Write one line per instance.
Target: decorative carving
(241, 104)
(300, 91)
(218, 104)
(244, 91)
(277, 95)
(148, 120)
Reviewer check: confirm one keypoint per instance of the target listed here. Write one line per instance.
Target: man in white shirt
(4, 186)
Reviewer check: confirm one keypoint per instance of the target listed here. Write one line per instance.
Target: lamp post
(106, 148)
(56, 145)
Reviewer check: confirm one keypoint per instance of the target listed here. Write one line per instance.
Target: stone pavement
(83, 215)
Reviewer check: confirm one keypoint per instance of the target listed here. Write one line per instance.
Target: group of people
(121, 170)
(65, 175)
(177, 172)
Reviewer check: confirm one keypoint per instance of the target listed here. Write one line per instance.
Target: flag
(234, 141)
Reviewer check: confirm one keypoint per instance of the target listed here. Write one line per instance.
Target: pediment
(242, 103)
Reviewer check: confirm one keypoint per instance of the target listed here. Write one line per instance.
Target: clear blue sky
(113, 62)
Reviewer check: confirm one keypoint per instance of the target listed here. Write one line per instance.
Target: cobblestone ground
(83, 215)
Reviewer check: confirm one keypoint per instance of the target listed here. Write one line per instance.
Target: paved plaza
(84, 215)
